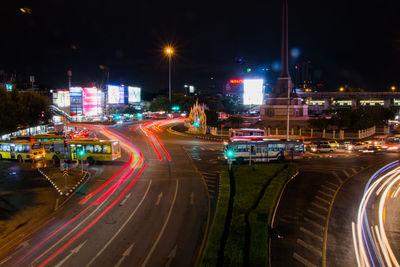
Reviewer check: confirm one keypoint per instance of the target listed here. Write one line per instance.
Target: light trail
(379, 187)
(125, 174)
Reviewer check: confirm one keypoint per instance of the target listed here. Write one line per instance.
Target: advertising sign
(75, 95)
(9, 87)
(253, 92)
(133, 94)
(90, 101)
(115, 94)
(63, 99)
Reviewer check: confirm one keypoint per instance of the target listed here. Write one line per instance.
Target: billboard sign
(90, 101)
(115, 94)
(253, 92)
(75, 95)
(133, 94)
(9, 87)
(63, 99)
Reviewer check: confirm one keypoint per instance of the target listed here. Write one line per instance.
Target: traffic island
(239, 235)
(66, 181)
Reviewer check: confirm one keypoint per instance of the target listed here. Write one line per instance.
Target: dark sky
(354, 42)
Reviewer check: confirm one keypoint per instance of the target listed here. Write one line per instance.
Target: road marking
(346, 173)
(124, 255)
(74, 251)
(328, 188)
(325, 193)
(316, 214)
(146, 260)
(314, 223)
(309, 247)
(319, 206)
(308, 232)
(322, 199)
(120, 229)
(333, 184)
(211, 185)
(159, 197)
(303, 260)
(125, 199)
(191, 198)
(337, 176)
(354, 170)
(171, 256)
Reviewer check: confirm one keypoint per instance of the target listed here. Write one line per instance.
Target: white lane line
(325, 194)
(337, 176)
(146, 260)
(124, 255)
(328, 188)
(314, 223)
(73, 251)
(303, 260)
(125, 199)
(159, 197)
(323, 200)
(122, 227)
(308, 232)
(309, 247)
(346, 173)
(319, 206)
(316, 214)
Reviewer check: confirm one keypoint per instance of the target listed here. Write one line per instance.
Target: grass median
(256, 190)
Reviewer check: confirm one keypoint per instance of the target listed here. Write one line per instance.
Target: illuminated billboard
(253, 92)
(63, 99)
(115, 94)
(75, 95)
(133, 94)
(90, 101)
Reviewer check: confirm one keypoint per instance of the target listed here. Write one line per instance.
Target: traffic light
(248, 70)
(81, 153)
(175, 108)
(229, 153)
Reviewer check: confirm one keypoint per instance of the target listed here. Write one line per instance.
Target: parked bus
(38, 137)
(21, 150)
(246, 133)
(264, 151)
(93, 150)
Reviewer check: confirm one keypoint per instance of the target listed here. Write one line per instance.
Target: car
(348, 145)
(360, 146)
(321, 148)
(372, 149)
(333, 143)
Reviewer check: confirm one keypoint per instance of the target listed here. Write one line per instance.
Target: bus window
(37, 146)
(89, 148)
(97, 149)
(106, 149)
(49, 147)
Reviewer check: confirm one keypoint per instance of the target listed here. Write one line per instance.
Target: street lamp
(393, 88)
(169, 51)
(341, 89)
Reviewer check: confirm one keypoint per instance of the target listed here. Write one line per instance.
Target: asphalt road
(318, 207)
(154, 211)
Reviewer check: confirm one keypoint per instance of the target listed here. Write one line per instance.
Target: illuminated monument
(283, 98)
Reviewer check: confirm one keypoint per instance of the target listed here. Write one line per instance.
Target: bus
(246, 133)
(92, 150)
(264, 151)
(38, 137)
(21, 150)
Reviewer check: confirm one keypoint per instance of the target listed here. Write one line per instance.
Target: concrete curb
(193, 135)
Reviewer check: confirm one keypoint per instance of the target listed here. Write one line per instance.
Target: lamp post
(169, 51)
(393, 88)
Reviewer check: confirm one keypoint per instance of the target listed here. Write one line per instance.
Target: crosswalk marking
(319, 206)
(346, 173)
(309, 247)
(354, 170)
(316, 214)
(303, 260)
(313, 223)
(323, 200)
(308, 232)
(337, 176)
(333, 184)
(328, 188)
(325, 193)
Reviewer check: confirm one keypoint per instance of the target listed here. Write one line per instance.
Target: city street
(154, 212)
(318, 207)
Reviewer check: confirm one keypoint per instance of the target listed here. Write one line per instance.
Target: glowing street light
(393, 88)
(341, 89)
(169, 51)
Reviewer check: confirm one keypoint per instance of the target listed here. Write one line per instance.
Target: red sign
(236, 81)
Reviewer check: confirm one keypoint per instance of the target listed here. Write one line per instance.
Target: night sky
(348, 42)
